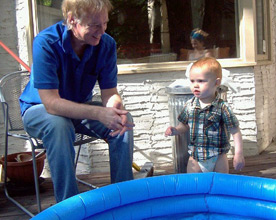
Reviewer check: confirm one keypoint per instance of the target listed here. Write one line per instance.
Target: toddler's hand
(238, 162)
(171, 131)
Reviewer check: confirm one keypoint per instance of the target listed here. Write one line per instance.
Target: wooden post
(165, 32)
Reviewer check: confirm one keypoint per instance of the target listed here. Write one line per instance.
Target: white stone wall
(243, 104)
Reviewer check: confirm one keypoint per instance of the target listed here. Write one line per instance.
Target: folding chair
(11, 87)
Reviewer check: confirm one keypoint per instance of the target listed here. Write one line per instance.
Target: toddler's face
(204, 84)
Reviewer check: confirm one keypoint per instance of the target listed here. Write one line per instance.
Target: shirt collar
(67, 46)
(215, 102)
(66, 41)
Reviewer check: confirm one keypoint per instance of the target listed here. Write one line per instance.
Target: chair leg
(86, 183)
(36, 177)
(79, 180)
(5, 109)
(6, 184)
(17, 203)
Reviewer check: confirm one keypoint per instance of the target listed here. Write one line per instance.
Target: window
(160, 30)
(48, 13)
(154, 35)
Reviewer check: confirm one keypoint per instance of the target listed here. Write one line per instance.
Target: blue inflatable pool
(177, 196)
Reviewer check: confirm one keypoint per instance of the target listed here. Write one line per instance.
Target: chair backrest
(222, 52)
(11, 87)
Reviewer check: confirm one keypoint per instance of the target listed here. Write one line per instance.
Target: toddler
(210, 121)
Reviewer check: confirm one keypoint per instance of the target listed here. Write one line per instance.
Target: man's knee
(60, 125)
(59, 122)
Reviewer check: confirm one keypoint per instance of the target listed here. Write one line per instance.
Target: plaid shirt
(209, 127)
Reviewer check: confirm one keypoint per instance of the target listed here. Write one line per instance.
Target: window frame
(247, 41)
(267, 32)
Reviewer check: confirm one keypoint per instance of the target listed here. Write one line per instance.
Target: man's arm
(111, 98)
(54, 104)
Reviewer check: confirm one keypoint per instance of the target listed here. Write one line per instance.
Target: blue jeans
(58, 135)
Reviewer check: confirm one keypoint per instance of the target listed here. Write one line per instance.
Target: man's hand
(116, 120)
(118, 123)
(126, 126)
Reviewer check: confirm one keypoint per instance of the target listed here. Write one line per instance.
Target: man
(68, 58)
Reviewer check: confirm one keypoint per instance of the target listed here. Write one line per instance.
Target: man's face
(92, 27)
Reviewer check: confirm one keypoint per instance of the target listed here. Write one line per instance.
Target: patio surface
(263, 165)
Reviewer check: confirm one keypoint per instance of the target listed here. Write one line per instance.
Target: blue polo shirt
(56, 66)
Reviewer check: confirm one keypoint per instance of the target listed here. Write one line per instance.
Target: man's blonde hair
(209, 63)
(80, 8)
